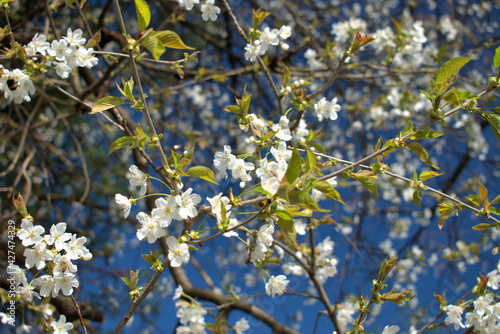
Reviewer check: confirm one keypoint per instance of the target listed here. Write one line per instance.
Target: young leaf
(106, 103)
(143, 14)
(327, 189)
(154, 46)
(202, 172)
(294, 166)
(425, 134)
(288, 230)
(286, 76)
(484, 193)
(369, 185)
(417, 196)
(448, 69)
(428, 175)
(94, 40)
(494, 121)
(420, 152)
(311, 160)
(496, 58)
(121, 142)
(234, 109)
(171, 40)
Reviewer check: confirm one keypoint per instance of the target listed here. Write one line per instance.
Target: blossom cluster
(57, 260)
(267, 38)
(484, 316)
(326, 263)
(209, 10)
(192, 316)
(64, 54)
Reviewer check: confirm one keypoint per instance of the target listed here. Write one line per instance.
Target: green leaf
(319, 148)
(474, 199)
(127, 281)
(369, 185)
(294, 166)
(420, 152)
(288, 229)
(428, 175)
(483, 226)
(311, 160)
(154, 46)
(202, 172)
(128, 88)
(494, 121)
(106, 103)
(94, 40)
(408, 128)
(286, 76)
(327, 189)
(121, 142)
(425, 134)
(284, 215)
(171, 40)
(484, 193)
(234, 109)
(143, 14)
(176, 158)
(493, 210)
(496, 58)
(456, 97)
(417, 195)
(448, 69)
(496, 200)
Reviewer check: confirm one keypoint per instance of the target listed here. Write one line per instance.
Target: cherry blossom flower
(281, 153)
(166, 210)
(138, 179)
(58, 236)
(216, 202)
(222, 161)
(124, 204)
(74, 38)
(47, 284)
(27, 292)
(18, 273)
(276, 285)
(209, 11)
(187, 4)
(268, 37)
(177, 253)
(390, 329)
(252, 51)
(187, 204)
(151, 228)
(265, 237)
(36, 256)
(454, 316)
(241, 325)
(29, 234)
(285, 32)
(75, 248)
(59, 49)
(65, 283)
(61, 326)
(326, 109)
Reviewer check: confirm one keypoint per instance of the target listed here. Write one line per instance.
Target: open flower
(124, 204)
(178, 253)
(138, 178)
(187, 204)
(150, 229)
(276, 285)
